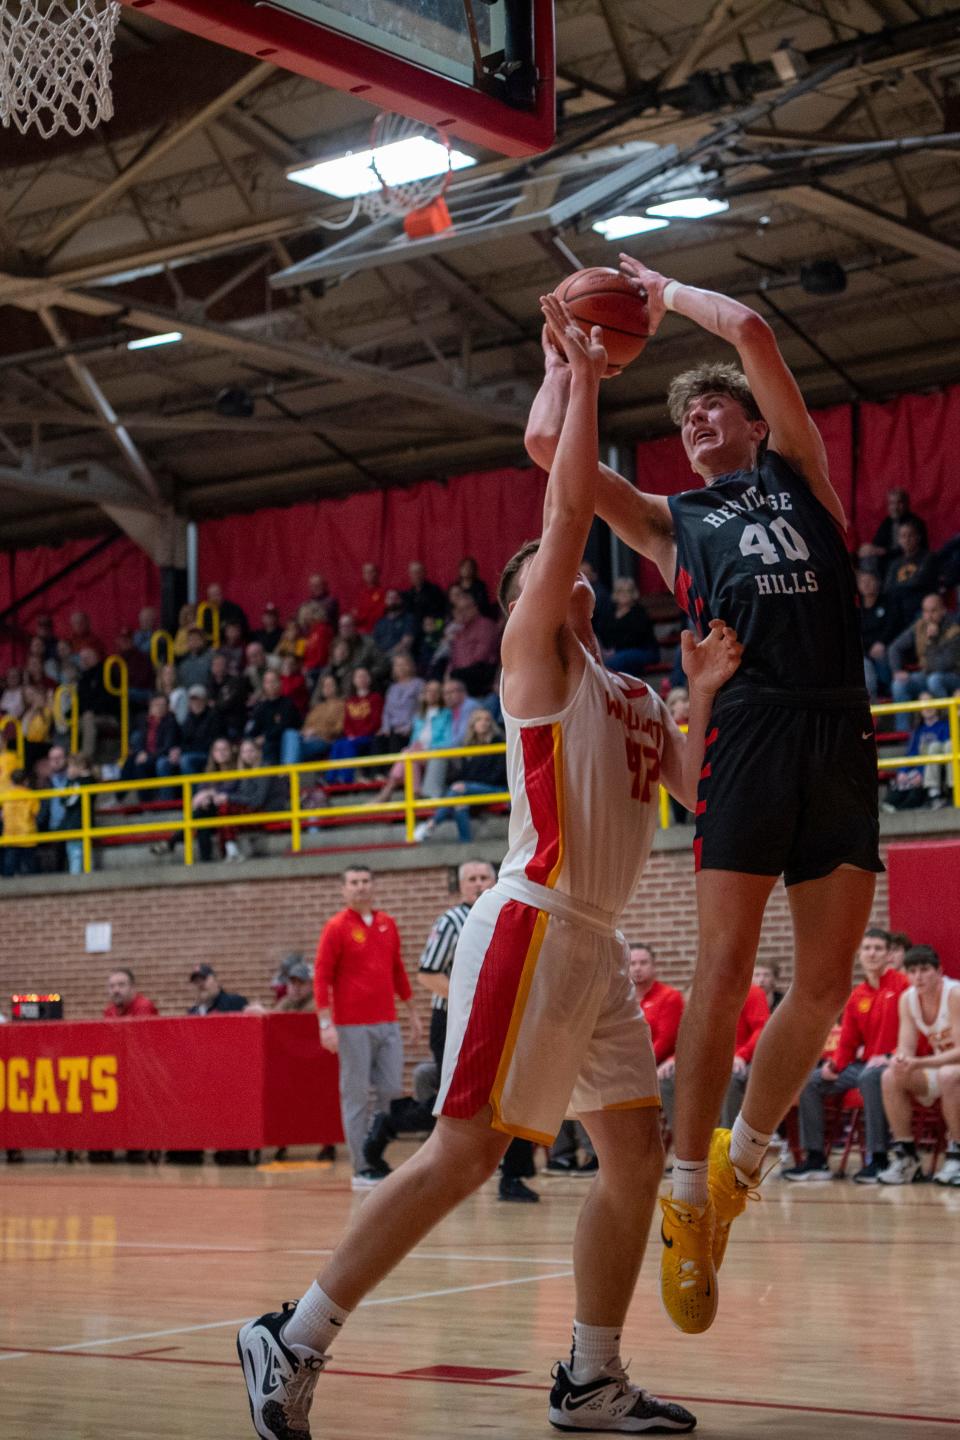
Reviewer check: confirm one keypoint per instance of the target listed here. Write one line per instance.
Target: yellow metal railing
(203, 610)
(165, 639)
(299, 815)
(116, 681)
(66, 713)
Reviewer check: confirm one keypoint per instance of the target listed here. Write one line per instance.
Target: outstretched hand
(710, 664)
(554, 356)
(649, 283)
(586, 357)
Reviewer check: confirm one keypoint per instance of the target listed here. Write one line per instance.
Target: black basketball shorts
(789, 791)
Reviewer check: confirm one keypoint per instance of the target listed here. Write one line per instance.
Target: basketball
(604, 297)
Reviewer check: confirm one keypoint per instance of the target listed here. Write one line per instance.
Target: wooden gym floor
(838, 1318)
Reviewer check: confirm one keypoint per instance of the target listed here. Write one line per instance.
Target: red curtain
(111, 588)
(662, 469)
(268, 555)
(912, 442)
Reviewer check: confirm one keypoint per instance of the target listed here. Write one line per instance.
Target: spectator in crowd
(678, 707)
(270, 629)
(36, 723)
(146, 625)
(766, 975)
(476, 775)
(907, 577)
(140, 673)
(399, 706)
(299, 996)
(212, 999)
(194, 668)
(424, 599)
(603, 609)
(256, 795)
(396, 630)
(197, 734)
(879, 623)
(257, 665)
(371, 600)
(126, 1002)
(65, 772)
(158, 735)
(292, 683)
(363, 651)
(230, 612)
(932, 643)
(291, 641)
(169, 685)
(359, 972)
(884, 543)
(186, 620)
(929, 1007)
(81, 636)
(323, 725)
(228, 696)
(921, 786)
(34, 671)
(468, 579)
(9, 760)
(19, 809)
(751, 1021)
(340, 664)
(432, 730)
(319, 593)
(98, 708)
(363, 713)
(475, 648)
(12, 702)
(43, 629)
(629, 643)
(868, 1037)
(318, 637)
(897, 946)
(271, 716)
(60, 668)
(214, 798)
(661, 1004)
(231, 645)
(461, 706)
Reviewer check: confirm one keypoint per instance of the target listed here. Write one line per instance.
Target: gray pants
(371, 1058)
(856, 1076)
(571, 1137)
(732, 1100)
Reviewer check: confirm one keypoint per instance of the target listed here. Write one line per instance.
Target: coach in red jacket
(753, 1017)
(358, 976)
(661, 1004)
(868, 1037)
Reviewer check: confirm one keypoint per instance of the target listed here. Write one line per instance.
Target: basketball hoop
(55, 64)
(420, 202)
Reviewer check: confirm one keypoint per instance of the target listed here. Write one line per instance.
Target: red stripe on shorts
(490, 1013)
(540, 783)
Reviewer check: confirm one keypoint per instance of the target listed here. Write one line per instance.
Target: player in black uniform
(789, 783)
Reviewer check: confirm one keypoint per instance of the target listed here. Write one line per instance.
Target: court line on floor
(85, 1345)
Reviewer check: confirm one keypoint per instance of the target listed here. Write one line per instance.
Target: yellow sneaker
(728, 1193)
(688, 1277)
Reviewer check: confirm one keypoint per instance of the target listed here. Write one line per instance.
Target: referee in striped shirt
(436, 962)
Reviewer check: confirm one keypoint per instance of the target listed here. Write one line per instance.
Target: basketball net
(420, 203)
(55, 58)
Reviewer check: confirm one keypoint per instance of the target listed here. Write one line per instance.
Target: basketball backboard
(483, 70)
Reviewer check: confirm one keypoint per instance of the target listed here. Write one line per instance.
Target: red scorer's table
(213, 1082)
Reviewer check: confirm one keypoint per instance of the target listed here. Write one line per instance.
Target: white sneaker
(422, 831)
(280, 1378)
(902, 1170)
(232, 852)
(949, 1172)
(610, 1402)
(365, 1180)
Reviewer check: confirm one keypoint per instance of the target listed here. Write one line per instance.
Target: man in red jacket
(753, 1017)
(359, 972)
(868, 1037)
(125, 1000)
(661, 1004)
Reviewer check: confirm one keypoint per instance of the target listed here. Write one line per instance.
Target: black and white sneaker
(280, 1377)
(815, 1167)
(610, 1402)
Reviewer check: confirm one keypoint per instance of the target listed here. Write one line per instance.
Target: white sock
(593, 1347)
(316, 1322)
(747, 1148)
(690, 1182)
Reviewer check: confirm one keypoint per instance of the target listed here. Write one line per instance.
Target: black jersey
(759, 551)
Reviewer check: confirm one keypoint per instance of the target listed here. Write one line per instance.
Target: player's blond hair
(718, 377)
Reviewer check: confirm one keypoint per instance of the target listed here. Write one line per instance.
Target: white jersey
(940, 1032)
(584, 790)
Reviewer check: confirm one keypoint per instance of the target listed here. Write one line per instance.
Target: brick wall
(245, 927)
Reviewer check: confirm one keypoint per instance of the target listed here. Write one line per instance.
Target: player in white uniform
(931, 1007)
(541, 1005)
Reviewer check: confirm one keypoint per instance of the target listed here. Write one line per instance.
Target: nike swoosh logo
(867, 735)
(668, 1243)
(570, 1404)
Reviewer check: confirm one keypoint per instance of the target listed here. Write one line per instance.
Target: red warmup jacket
(371, 607)
(139, 1005)
(359, 967)
(663, 1006)
(870, 1020)
(753, 1017)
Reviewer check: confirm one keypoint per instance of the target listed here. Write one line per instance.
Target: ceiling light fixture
(695, 207)
(618, 227)
(416, 158)
(147, 342)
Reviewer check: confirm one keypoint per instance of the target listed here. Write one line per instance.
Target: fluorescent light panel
(414, 159)
(695, 207)
(618, 227)
(147, 342)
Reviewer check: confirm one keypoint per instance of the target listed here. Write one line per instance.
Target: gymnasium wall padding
(924, 886)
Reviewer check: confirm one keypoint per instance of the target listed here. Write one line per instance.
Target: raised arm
(792, 431)
(641, 521)
(707, 666)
